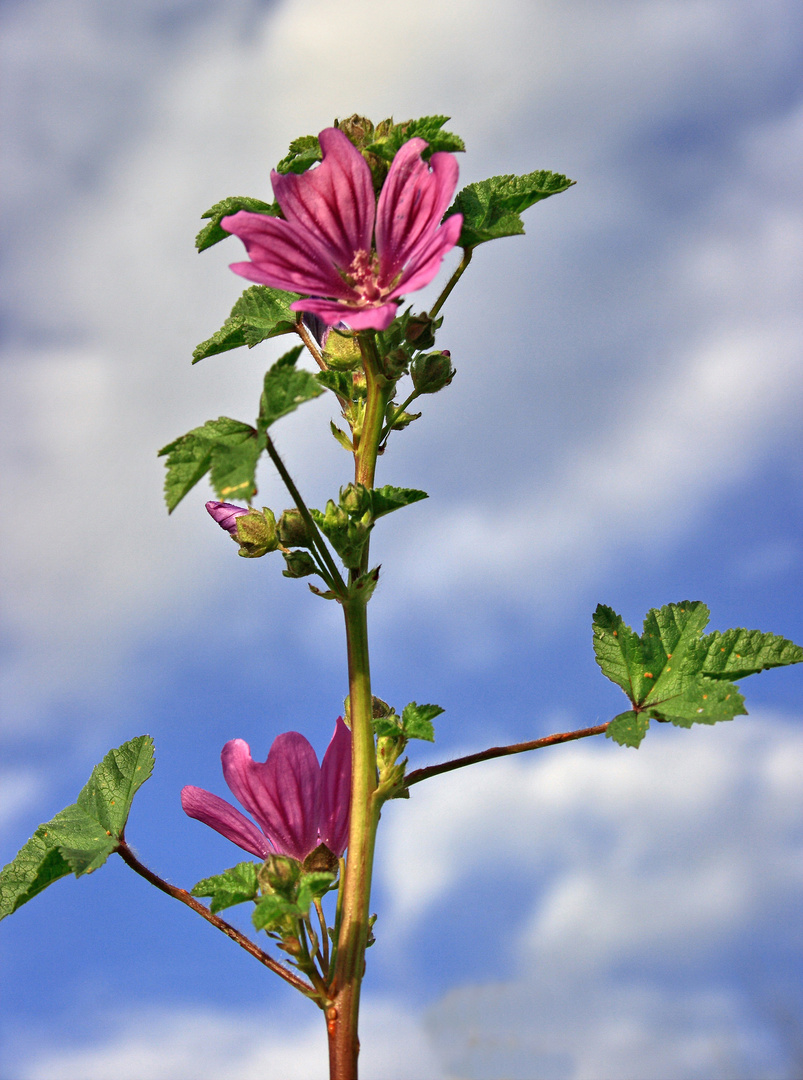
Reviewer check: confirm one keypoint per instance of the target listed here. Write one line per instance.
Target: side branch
(501, 751)
(128, 857)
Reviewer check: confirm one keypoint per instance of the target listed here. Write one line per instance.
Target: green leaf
(233, 886)
(428, 128)
(386, 499)
(285, 388)
(212, 233)
(491, 208)
(617, 649)
(341, 437)
(701, 701)
(738, 653)
(303, 153)
(628, 728)
(81, 837)
(229, 448)
(673, 674)
(272, 911)
(417, 721)
(259, 314)
(339, 382)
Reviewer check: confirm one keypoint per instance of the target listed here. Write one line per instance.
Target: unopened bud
(394, 363)
(342, 353)
(255, 532)
(355, 498)
(279, 873)
(432, 372)
(292, 529)
(299, 564)
(226, 514)
(420, 332)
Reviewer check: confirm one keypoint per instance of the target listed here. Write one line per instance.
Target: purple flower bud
(297, 803)
(226, 514)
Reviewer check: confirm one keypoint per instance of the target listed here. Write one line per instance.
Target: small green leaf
(82, 836)
(303, 153)
(628, 728)
(259, 314)
(341, 437)
(233, 886)
(212, 233)
(286, 388)
(428, 128)
(417, 721)
(491, 208)
(339, 382)
(227, 447)
(386, 499)
(272, 911)
(738, 653)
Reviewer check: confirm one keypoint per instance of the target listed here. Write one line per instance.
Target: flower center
(362, 276)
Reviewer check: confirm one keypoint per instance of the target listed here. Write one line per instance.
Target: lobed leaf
(303, 153)
(285, 388)
(233, 886)
(227, 447)
(491, 208)
(386, 499)
(673, 674)
(259, 314)
(417, 721)
(213, 233)
(628, 728)
(81, 837)
(428, 128)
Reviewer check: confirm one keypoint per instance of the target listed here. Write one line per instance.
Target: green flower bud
(292, 529)
(394, 364)
(279, 874)
(432, 372)
(420, 331)
(342, 353)
(299, 564)
(355, 499)
(255, 532)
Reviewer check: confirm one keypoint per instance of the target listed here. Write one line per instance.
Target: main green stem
(342, 1016)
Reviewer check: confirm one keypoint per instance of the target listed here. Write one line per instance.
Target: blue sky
(624, 428)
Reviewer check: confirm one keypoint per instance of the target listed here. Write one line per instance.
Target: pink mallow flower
(297, 803)
(353, 257)
(226, 514)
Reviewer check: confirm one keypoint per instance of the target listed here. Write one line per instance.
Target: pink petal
(336, 790)
(225, 819)
(332, 312)
(283, 794)
(284, 256)
(411, 205)
(422, 270)
(334, 201)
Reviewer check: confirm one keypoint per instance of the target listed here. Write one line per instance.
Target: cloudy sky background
(624, 428)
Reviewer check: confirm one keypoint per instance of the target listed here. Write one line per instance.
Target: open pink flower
(297, 803)
(351, 256)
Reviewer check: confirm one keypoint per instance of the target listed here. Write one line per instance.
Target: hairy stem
(417, 775)
(453, 280)
(310, 342)
(128, 857)
(321, 550)
(348, 962)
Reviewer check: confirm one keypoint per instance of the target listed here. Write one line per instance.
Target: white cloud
(202, 1045)
(696, 832)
